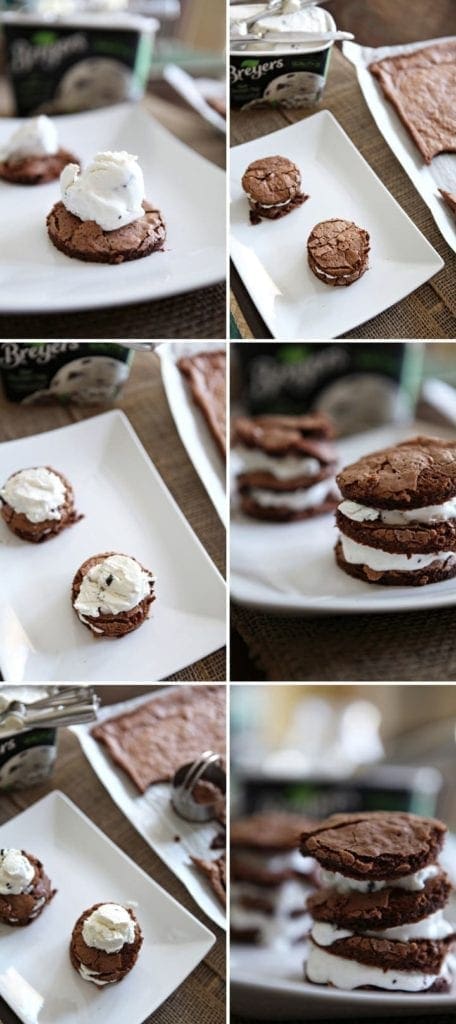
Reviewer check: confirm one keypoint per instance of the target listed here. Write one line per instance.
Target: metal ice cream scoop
(208, 768)
(66, 705)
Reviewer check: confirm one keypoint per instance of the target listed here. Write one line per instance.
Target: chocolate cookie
(36, 170)
(397, 521)
(44, 529)
(215, 871)
(437, 571)
(95, 964)
(413, 474)
(384, 908)
(270, 880)
(374, 845)
(25, 907)
(270, 831)
(422, 956)
(288, 469)
(450, 199)
(151, 742)
(273, 185)
(109, 624)
(421, 86)
(338, 252)
(85, 240)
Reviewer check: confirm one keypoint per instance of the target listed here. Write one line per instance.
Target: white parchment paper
(152, 815)
(427, 179)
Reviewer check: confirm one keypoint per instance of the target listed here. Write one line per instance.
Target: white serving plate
(290, 569)
(127, 508)
(269, 985)
(190, 192)
(271, 257)
(37, 979)
(190, 422)
(153, 816)
(427, 178)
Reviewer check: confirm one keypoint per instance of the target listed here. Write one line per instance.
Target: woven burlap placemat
(410, 646)
(144, 402)
(201, 997)
(445, 1018)
(430, 311)
(199, 314)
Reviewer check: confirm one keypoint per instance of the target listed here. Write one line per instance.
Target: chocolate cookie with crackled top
(375, 844)
(101, 952)
(397, 519)
(380, 908)
(287, 466)
(25, 889)
(273, 187)
(269, 879)
(36, 170)
(27, 494)
(86, 240)
(338, 252)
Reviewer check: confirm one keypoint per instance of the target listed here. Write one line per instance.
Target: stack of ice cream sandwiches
(397, 520)
(286, 466)
(270, 880)
(379, 918)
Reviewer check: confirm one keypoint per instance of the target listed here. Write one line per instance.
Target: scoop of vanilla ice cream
(109, 928)
(16, 872)
(36, 137)
(110, 190)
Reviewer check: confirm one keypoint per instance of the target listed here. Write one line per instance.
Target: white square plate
(190, 192)
(36, 977)
(426, 178)
(127, 508)
(290, 569)
(271, 257)
(190, 422)
(153, 816)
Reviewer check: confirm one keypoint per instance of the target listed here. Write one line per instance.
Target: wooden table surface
(201, 998)
(144, 402)
(429, 312)
(195, 314)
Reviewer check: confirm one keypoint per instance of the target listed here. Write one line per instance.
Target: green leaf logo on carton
(250, 63)
(44, 38)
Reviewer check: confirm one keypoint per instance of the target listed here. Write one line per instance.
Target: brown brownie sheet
(167, 731)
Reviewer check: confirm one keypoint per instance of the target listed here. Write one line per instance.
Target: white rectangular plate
(271, 257)
(427, 179)
(190, 422)
(36, 977)
(190, 192)
(290, 569)
(152, 815)
(126, 508)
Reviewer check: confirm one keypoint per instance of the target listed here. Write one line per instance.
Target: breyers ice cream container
(43, 373)
(27, 757)
(293, 75)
